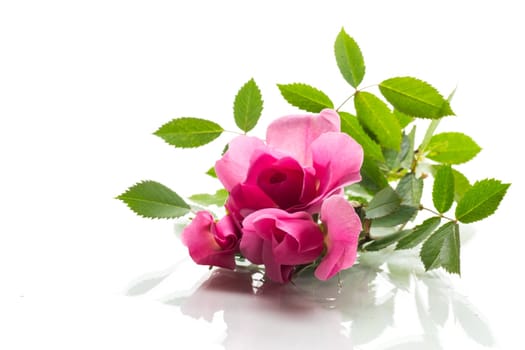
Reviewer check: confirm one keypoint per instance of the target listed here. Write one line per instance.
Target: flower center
(277, 178)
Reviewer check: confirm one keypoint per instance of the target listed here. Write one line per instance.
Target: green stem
(345, 101)
(353, 94)
(421, 207)
(428, 135)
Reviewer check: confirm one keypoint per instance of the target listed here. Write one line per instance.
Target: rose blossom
(342, 226)
(280, 240)
(212, 243)
(305, 159)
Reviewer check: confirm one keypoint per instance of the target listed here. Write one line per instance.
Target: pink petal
(303, 243)
(198, 236)
(233, 167)
(337, 159)
(226, 233)
(275, 271)
(251, 246)
(333, 262)
(281, 179)
(343, 227)
(294, 134)
(245, 199)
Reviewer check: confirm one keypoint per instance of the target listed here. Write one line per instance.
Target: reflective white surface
(84, 84)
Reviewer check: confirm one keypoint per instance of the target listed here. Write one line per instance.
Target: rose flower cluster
(285, 206)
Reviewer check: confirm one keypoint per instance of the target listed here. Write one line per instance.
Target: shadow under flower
(357, 310)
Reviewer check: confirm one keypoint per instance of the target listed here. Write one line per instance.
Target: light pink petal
(295, 133)
(337, 159)
(343, 227)
(233, 167)
(332, 263)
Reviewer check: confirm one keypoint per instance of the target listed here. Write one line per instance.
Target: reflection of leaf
(471, 321)
(370, 326)
(415, 345)
(438, 299)
(149, 281)
(426, 321)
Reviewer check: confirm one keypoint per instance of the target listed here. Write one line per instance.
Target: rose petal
(275, 271)
(245, 199)
(203, 247)
(295, 133)
(343, 227)
(281, 179)
(337, 159)
(233, 167)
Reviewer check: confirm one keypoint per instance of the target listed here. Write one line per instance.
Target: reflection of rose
(268, 317)
(305, 159)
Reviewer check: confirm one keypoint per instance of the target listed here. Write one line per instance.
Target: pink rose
(342, 226)
(280, 240)
(212, 243)
(305, 159)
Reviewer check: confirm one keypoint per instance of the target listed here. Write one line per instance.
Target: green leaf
(481, 200)
(189, 132)
(442, 249)
(349, 59)
(410, 189)
(402, 118)
(248, 106)
(419, 233)
(452, 148)
(154, 200)
(402, 215)
(218, 198)
(461, 185)
(305, 97)
(375, 116)
(350, 125)
(443, 189)
(384, 242)
(384, 202)
(409, 140)
(211, 172)
(372, 178)
(405, 154)
(415, 98)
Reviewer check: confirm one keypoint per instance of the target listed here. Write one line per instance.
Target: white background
(83, 84)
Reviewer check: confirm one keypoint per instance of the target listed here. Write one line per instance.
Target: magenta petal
(226, 233)
(343, 227)
(282, 240)
(281, 179)
(304, 240)
(245, 199)
(337, 159)
(233, 167)
(203, 247)
(251, 246)
(275, 271)
(294, 134)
